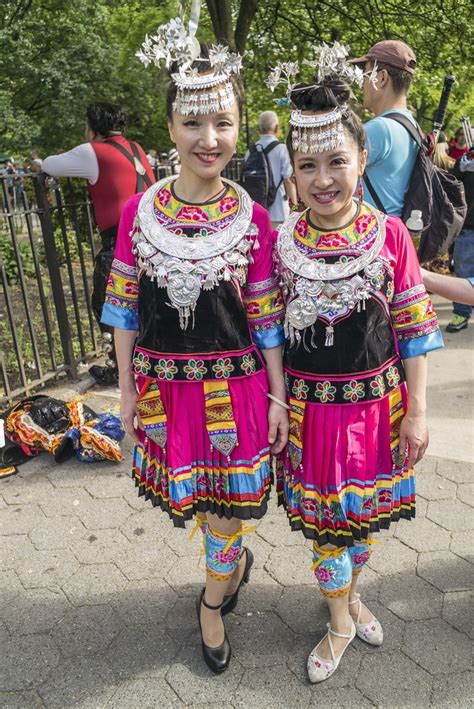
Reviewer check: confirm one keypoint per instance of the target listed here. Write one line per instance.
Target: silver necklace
(327, 291)
(318, 269)
(156, 235)
(185, 266)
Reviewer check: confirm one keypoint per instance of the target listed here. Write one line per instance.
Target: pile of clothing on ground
(63, 429)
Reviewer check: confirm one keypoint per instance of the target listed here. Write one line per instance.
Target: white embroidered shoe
(320, 669)
(372, 631)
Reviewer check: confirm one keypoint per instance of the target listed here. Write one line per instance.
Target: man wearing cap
(391, 150)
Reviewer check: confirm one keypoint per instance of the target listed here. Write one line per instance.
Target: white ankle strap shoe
(370, 632)
(319, 668)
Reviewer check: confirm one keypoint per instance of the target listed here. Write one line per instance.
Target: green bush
(7, 253)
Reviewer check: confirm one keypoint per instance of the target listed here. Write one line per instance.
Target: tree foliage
(59, 55)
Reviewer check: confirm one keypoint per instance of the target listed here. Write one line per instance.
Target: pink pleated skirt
(349, 482)
(188, 474)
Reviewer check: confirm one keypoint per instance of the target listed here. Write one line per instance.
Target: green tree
(59, 55)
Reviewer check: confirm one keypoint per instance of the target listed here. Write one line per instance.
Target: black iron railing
(47, 247)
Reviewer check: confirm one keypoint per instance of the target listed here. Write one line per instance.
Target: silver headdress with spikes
(197, 93)
(318, 132)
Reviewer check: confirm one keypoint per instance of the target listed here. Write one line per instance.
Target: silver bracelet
(278, 401)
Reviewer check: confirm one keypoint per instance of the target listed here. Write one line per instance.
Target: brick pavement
(97, 590)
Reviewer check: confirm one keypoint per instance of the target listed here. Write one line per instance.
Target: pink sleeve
(262, 296)
(121, 306)
(413, 316)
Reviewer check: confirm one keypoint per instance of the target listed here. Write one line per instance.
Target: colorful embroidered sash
(295, 450)
(220, 422)
(152, 413)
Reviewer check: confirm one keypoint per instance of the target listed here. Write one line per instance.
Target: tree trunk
(248, 10)
(221, 18)
(220, 12)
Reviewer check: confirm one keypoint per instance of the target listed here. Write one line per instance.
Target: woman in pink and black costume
(195, 305)
(359, 324)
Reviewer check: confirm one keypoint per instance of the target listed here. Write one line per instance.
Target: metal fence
(47, 248)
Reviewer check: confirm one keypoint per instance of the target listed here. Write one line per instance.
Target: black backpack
(436, 193)
(256, 176)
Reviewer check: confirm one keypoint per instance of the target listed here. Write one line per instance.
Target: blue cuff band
(421, 345)
(119, 317)
(266, 339)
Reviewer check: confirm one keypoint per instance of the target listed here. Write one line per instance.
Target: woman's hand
(414, 433)
(128, 410)
(277, 427)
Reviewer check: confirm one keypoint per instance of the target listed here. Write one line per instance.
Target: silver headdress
(174, 43)
(318, 132)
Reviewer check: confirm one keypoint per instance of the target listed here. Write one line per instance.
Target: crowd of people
(245, 331)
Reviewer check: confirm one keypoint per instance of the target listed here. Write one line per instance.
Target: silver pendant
(301, 313)
(183, 290)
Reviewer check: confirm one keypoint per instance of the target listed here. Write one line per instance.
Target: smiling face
(327, 181)
(205, 143)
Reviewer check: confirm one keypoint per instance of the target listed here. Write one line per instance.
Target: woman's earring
(298, 206)
(360, 192)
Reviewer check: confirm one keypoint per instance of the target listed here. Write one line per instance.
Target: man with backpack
(267, 171)
(391, 150)
(400, 179)
(115, 169)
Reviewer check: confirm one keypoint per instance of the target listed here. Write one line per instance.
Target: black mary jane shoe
(229, 602)
(216, 658)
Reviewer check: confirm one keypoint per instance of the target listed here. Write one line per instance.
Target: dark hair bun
(329, 94)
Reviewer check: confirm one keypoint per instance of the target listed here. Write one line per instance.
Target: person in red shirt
(458, 145)
(116, 169)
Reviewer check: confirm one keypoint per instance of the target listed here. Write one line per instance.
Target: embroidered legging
(360, 554)
(223, 553)
(335, 568)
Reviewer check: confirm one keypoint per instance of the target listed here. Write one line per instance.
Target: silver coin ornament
(183, 290)
(301, 313)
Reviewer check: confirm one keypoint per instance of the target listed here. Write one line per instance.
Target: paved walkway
(97, 590)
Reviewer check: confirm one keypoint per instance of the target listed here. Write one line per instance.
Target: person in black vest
(116, 169)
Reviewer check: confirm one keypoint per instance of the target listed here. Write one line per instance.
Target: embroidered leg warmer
(222, 553)
(360, 554)
(333, 570)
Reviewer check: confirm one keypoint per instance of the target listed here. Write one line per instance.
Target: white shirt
(81, 161)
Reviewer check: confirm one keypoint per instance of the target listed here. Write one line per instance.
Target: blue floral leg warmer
(222, 553)
(333, 570)
(360, 554)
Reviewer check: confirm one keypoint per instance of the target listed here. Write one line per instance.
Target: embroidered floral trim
(195, 369)
(325, 392)
(223, 368)
(141, 363)
(167, 206)
(165, 369)
(248, 364)
(393, 376)
(378, 386)
(350, 391)
(300, 389)
(122, 285)
(353, 391)
(413, 314)
(169, 368)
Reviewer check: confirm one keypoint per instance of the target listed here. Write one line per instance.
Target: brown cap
(392, 52)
